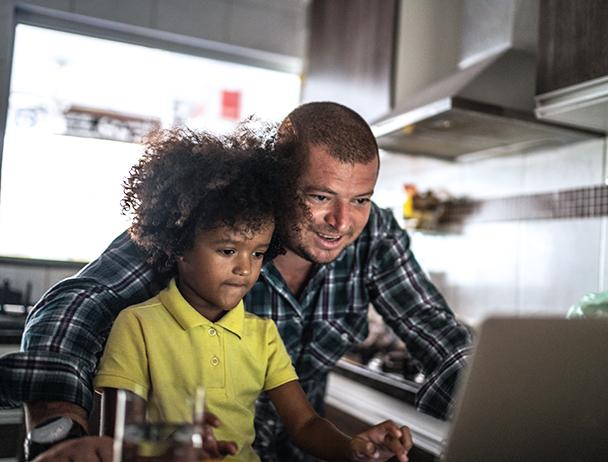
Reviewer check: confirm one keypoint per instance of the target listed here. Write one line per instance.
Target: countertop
(373, 406)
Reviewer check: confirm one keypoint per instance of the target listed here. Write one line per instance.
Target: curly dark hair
(188, 181)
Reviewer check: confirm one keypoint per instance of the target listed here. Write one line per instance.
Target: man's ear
(286, 130)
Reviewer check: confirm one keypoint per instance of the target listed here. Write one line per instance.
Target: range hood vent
(486, 106)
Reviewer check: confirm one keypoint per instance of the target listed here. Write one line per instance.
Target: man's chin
(319, 256)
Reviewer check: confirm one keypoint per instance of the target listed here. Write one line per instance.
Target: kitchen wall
(509, 267)
(276, 28)
(522, 267)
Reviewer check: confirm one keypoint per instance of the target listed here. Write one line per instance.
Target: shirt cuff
(436, 396)
(44, 376)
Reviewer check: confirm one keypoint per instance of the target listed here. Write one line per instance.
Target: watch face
(56, 430)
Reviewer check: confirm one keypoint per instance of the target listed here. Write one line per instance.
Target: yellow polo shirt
(163, 349)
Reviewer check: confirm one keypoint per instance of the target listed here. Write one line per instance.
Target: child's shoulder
(151, 304)
(257, 322)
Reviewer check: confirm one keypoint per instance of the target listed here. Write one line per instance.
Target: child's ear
(286, 130)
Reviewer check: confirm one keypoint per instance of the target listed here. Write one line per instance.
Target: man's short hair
(344, 133)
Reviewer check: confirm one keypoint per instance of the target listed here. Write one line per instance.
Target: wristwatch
(49, 433)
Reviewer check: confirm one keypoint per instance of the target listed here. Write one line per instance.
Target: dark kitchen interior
(491, 119)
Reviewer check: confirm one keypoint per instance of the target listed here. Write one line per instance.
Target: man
(342, 254)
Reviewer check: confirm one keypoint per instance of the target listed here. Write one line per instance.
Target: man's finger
(227, 448)
(363, 449)
(211, 419)
(406, 438)
(105, 449)
(210, 443)
(85, 449)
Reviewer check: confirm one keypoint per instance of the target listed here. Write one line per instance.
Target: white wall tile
(559, 263)
(425, 173)
(493, 177)
(603, 252)
(475, 270)
(571, 166)
(486, 272)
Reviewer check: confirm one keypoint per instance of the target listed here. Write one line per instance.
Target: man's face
(338, 198)
(221, 268)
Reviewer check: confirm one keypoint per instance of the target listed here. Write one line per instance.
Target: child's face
(222, 266)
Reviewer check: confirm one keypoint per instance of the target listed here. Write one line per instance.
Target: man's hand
(381, 442)
(99, 449)
(88, 448)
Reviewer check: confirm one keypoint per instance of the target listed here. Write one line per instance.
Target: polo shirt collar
(187, 317)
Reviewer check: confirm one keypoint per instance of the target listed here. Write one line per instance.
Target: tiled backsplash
(591, 201)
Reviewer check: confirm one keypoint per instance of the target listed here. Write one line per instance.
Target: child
(208, 211)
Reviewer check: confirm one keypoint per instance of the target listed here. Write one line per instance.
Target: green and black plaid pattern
(66, 332)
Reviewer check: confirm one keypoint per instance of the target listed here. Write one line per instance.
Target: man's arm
(66, 331)
(412, 306)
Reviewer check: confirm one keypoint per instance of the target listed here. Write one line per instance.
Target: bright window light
(77, 109)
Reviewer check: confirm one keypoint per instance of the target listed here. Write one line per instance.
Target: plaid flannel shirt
(66, 331)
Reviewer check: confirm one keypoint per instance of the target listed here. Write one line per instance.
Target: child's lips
(237, 285)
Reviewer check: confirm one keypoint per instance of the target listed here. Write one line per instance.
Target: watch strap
(33, 449)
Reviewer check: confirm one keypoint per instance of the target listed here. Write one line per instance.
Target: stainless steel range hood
(486, 105)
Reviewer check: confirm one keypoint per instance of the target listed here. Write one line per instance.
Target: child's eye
(258, 254)
(227, 252)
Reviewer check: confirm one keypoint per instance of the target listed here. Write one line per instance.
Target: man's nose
(338, 217)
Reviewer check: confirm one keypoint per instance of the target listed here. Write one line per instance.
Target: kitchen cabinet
(350, 55)
(573, 43)
(572, 77)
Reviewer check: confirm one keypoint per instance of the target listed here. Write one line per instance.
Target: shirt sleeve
(124, 363)
(279, 369)
(412, 306)
(66, 331)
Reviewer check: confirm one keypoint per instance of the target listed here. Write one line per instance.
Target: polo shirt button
(344, 336)
(212, 331)
(215, 361)
(270, 422)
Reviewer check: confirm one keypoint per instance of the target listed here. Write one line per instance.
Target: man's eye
(318, 197)
(362, 200)
(227, 252)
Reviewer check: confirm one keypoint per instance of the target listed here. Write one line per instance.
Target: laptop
(536, 390)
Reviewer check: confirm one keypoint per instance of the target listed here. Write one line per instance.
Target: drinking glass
(137, 440)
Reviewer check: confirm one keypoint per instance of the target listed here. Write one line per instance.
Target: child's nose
(243, 267)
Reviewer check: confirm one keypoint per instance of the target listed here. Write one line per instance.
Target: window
(78, 106)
